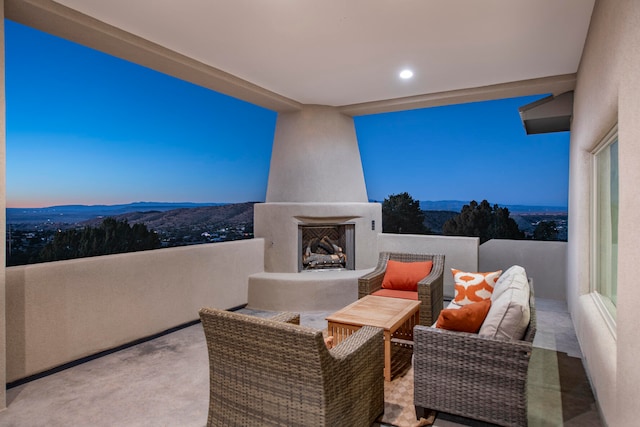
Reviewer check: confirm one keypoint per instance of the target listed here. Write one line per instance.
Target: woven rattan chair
(471, 376)
(263, 372)
(429, 289)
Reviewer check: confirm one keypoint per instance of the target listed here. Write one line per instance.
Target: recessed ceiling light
(406, 74)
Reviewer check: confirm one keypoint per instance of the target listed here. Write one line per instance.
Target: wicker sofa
(265, 372)
(473, 376)
(430, 291)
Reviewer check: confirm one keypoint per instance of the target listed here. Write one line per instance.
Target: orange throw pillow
(468, 318)
(404, 276)
(473, 287)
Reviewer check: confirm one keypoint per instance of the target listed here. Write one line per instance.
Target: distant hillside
(72, 214)
(205, 218)
(436, 219)
(456, 205)
(527, 221)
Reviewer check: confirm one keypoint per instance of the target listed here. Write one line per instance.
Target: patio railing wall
(545, 262)
(61, 311)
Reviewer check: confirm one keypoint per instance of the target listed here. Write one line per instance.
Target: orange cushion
(473, 287)
(468, 318)
(393, 293)
(404, 276)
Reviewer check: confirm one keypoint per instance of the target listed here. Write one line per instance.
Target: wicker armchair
(429, 289)
(264, 372)
(471, 376)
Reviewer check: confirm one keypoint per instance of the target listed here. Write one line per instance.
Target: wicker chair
(429, 289)
(263, 372)
(471, 376)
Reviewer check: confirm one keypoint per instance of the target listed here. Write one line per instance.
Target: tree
(402, 214)
(546, 230)
(483, 221)
(111, 237)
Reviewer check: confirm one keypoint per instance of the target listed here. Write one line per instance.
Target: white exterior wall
(607, 91)
(3, 217)
(58, 312)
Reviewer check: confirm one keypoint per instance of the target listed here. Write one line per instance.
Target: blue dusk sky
(87, 128)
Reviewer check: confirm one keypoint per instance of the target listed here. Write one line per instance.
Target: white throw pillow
(514, 277)
(510, 313)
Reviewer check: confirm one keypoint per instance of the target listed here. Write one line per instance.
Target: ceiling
(345, 52)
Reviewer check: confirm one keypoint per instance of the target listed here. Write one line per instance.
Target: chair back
(407, 257)
(256, 362)
(255, 347)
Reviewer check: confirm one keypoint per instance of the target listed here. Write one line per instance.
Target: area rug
(398, 393)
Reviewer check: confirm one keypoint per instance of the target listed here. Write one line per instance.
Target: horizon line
(565, 208)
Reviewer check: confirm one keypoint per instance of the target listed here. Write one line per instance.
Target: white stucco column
(315, 159)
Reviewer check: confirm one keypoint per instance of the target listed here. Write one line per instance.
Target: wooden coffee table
(396, 316)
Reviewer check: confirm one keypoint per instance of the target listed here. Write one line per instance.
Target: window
(605, 221)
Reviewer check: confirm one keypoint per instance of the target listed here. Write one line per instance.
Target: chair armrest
(430, 292)
(371, 282)
(287, 317)
(435, 275)
(367, 339)
(356, 376)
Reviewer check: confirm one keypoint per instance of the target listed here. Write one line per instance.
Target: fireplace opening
(326, 247)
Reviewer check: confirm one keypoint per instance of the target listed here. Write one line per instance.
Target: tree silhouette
(483, 221)
(546, 230)
(111, 237)
(402, 214)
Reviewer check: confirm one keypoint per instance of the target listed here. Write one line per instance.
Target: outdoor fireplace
(316, 209)
(326, 247)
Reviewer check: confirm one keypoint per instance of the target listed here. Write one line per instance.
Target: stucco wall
(60, 311)
(315, 158)
(607, 91)
(545, 262)
(3, 222)
(459, 252)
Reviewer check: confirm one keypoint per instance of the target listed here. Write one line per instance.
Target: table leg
(387, 355)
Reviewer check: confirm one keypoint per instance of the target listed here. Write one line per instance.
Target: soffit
(344, 52)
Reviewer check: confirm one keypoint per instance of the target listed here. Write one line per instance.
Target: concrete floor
(164, 382)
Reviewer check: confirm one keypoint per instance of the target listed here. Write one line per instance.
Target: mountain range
(72, 214)
(456, 206)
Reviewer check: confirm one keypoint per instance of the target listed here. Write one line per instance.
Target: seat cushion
(394, 293)
(404, 276)
(467, 318)
(473, 287)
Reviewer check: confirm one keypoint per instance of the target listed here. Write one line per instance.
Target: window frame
(602, 302)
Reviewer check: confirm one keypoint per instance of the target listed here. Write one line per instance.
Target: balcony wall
(545, 262)
(61, 311)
